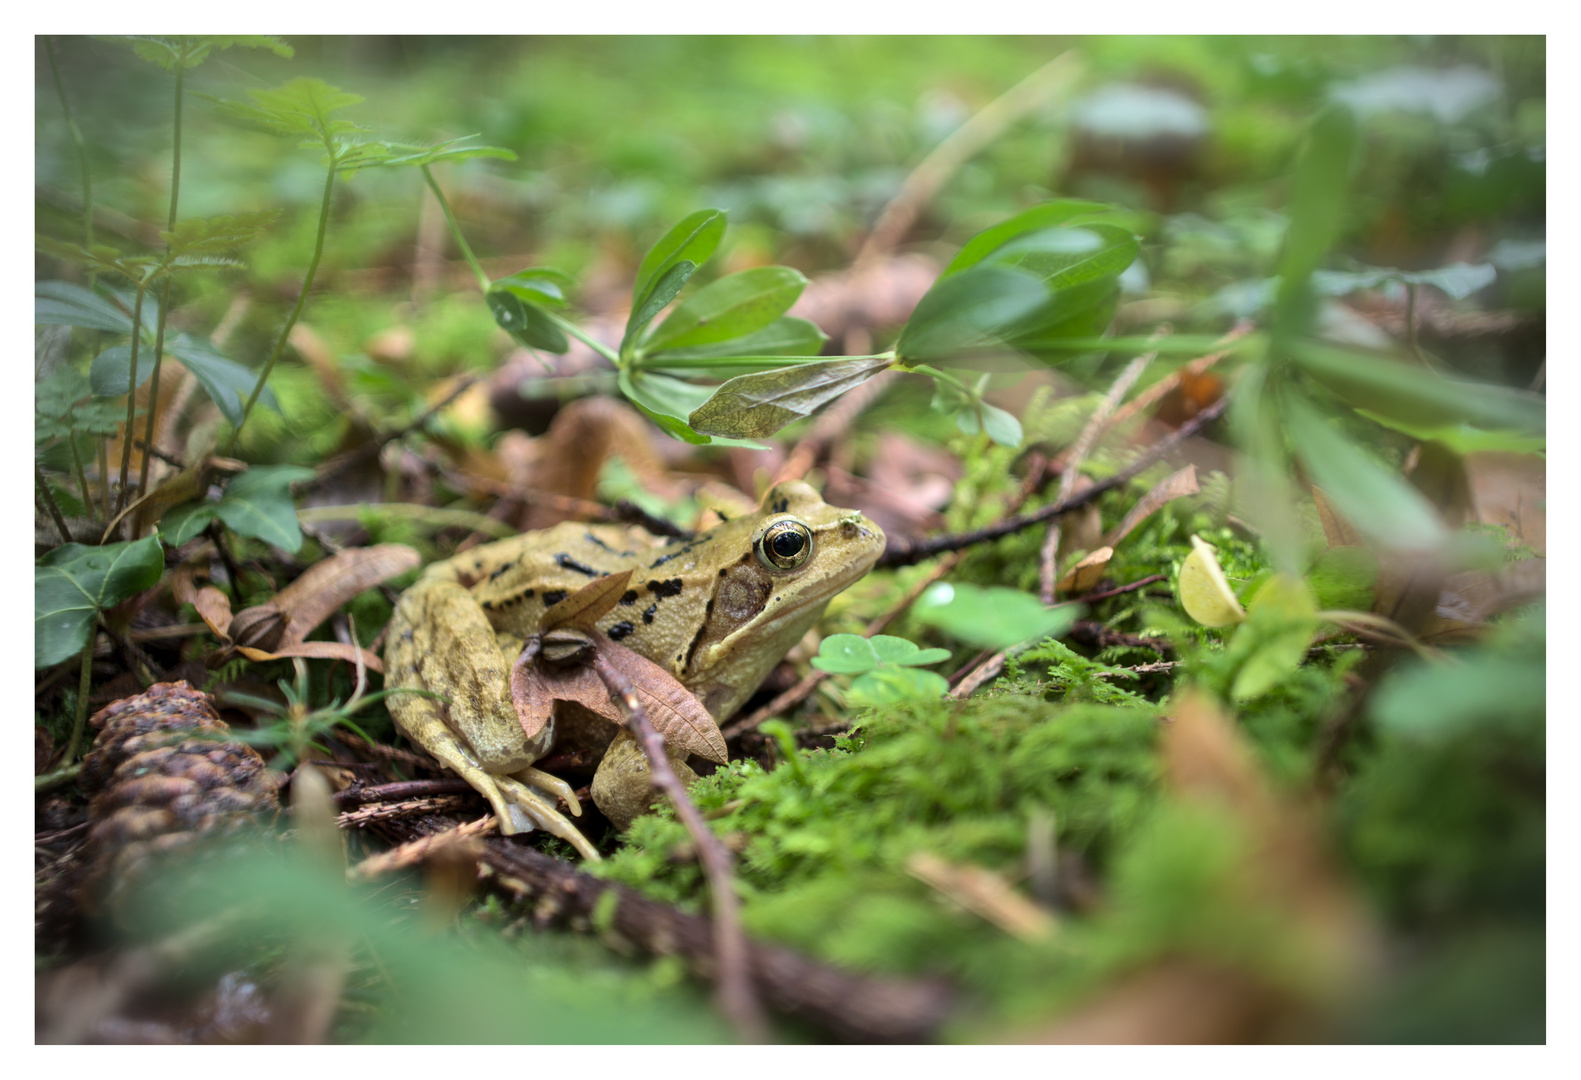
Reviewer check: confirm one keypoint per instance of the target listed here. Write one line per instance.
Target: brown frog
(717, 611)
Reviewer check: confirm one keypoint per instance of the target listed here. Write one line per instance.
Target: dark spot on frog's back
(568, 563)
(629, 598)
(620, 630)
(647, 616)
(554, 596)
(665, 589)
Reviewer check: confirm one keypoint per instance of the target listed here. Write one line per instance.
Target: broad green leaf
(1414, 395)
(379, 153)
(74, 582)
(755, 406)
(990, 618)
(775, 345)
(258, 503)
(1497, 688)
(539, 285)
(852, 654)
(300, 107)
(524, 320)
(227, 382)
(1376, 501)
(970, 310)
(663, 291)
(1317, 198)
(693, 239)
(182, 523)
(113, 367)
(665, 401)
(60, 303)
(1066, 257)
(1072, 315)
(1280, 621)
(1034, 219)
(1344, 578)
(729, 308)
(891, 685)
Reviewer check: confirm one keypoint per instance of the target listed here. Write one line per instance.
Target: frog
(717, 610)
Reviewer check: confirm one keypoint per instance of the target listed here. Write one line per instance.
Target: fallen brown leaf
(1176, 485)
(985, 893)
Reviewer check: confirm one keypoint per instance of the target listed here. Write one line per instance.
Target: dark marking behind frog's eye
(664, 589)
(553, 597)
(647, 616)
(781, 505)
(569, 563)
(620, 630)
(629, 597)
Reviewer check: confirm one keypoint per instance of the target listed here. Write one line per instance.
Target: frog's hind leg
(551, 785)
(539, 811)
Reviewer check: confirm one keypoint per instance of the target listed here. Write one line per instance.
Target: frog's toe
(542, 814)
(551, 785)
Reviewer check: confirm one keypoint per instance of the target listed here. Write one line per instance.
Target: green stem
(82, 151)
(164, 297)
(80, 472)
(83, 685)
(104, 480)
(131, 395)
(51, 781)
(49, 502)
(301, 301)
(581, 335)
(455, 230)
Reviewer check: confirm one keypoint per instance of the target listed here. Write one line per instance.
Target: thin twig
(401, 791)
(1048, 572)
(905, 554)
(1152, 394)
(49, 504)
(737, 999)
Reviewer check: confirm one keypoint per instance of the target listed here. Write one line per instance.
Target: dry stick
(856, 1008)
(960, 146)
(400, 791)
(736, 997)
(907, 554)
(1048, 569)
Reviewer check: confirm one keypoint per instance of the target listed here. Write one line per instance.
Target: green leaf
(892, 685)
(665, 401)
(227, 382)
(693, 239)
(775, 345)
(1002, 427)
(188, 52)
(300, 107)
(1063, 258)
(1414, 395)
(524, 320)
(970, 310)
(729, 308)
(182, 523)
(217, 235)
(1280, 621)
(1344, 579)
(1463, 439)
(852, 654)
(663, 291)
(990, 618)
(1317, 198)
(111, 369)
(1380, 504)
(258, 503)
(73, 583)
(1035, 219)
(60, 303)
(758, 405)
(539, 285)
(358, 153)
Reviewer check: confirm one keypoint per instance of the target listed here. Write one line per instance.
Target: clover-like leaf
(74, 582)
(258, 503)
(853, 654)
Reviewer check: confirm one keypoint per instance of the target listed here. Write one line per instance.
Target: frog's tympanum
(717, 611)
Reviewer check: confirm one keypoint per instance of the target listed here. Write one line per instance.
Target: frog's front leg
(441, 641)
(623, 787)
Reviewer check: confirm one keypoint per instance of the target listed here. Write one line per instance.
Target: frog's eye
(785, 545)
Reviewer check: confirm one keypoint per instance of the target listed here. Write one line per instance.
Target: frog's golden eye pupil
(785, 545)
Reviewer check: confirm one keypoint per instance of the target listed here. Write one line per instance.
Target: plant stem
(164, 297)
(80, 473)
(82, 151)
(131, 396)
(104, 481)
(581, 335)
(455, 230)
(49, 501)
(83, 685)
(301, 301)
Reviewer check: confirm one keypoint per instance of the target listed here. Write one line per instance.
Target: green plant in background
(886, 668)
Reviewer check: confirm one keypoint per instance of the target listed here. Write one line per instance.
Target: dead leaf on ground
(1086, 574)
(588, 604)
(985, 893)
(1176, 485)
(1511, 490)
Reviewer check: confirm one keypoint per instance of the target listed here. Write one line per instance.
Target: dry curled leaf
(984, 892)
(329, 583)
(1174, 486)
(587, 605)
(1087, 573)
